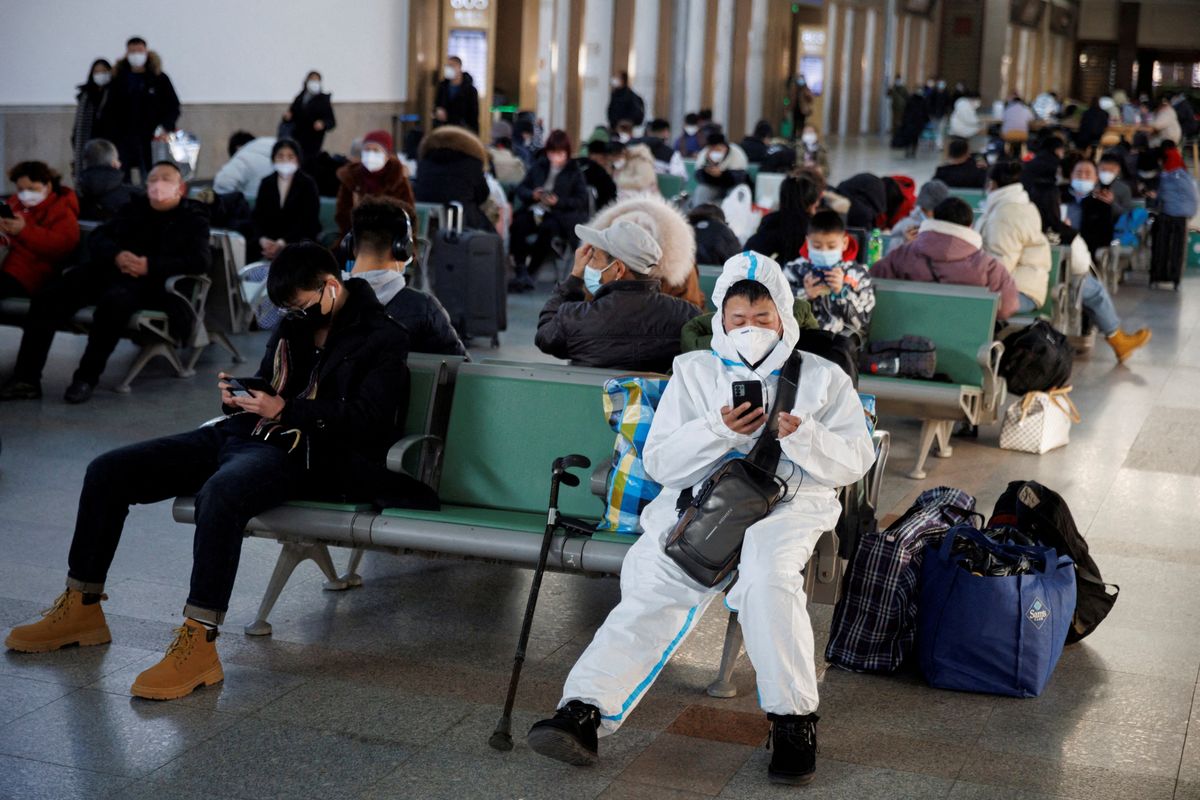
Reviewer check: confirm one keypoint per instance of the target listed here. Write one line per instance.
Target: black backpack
(1036, 358)
(836, 347)
(1043, 515)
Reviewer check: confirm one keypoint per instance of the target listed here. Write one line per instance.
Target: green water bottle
(874, 246)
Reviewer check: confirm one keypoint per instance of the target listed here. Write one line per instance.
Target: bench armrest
(995, 390)
(397, 452)
(599, 481)
(874, 477)
(193, 290)
(1061, 321)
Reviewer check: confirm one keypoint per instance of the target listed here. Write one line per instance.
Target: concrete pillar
(645, 53)
(890, 20)
(595, 64)
(755, 72)
(846, 50)
(679, 64)
(1128, 18)
(868, 73)
(831, 55)
(548, 63)
(693, 77)
(993, 48)
(562, 76)
(723, 62)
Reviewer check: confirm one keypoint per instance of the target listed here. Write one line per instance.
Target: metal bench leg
(723, 685)
(290, 556)
(929, 430)
(351, 579)
(220, 338)
(147, 353)
(944, 429)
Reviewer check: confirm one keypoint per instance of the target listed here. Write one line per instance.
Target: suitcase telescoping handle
(454, 217)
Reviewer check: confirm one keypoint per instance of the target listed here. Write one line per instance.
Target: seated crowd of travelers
(330, 394)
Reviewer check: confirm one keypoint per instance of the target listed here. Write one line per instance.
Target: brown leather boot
(1123, 344)
(73, 619)
(191, 661)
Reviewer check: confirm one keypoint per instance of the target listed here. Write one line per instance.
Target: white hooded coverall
(660, 603)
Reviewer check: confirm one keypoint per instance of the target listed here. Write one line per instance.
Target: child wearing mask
(838, 290)
(825, 444)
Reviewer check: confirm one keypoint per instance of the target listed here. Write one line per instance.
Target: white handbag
(1040, 422)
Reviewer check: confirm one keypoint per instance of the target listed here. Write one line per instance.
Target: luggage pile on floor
(981, 608)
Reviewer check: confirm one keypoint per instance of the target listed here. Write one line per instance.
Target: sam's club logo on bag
(1038, 613)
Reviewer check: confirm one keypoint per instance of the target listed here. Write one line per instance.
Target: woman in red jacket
(41, 229)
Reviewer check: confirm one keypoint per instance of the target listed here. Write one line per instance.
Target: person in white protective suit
(825, 445)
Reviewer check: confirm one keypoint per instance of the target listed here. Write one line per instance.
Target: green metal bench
(973, 197)
(708, 281)
(961, 322)
(1057, 310)
(670, 186)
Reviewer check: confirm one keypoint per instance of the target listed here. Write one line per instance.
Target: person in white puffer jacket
(825, 444)
(1011, 228)
(964, 121)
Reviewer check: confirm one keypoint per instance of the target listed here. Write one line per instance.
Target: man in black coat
(382, 248)
(153, 238)
(100, 184)
(961, 170)
(624, 103)
(1040, 179)
(141, 99)
(457, 100)
(595, 172)
(628, 324)
(317, 421)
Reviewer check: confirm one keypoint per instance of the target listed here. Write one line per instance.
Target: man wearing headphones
(380, 243)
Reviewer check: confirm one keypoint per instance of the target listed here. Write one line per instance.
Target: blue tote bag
(999, 635)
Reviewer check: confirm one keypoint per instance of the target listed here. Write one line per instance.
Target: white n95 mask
(753, 343)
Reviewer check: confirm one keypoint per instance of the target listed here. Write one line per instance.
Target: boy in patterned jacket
(839, 290)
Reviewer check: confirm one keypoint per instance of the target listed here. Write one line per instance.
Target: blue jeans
(1099, 306)
(232, 477)
(1026, 304)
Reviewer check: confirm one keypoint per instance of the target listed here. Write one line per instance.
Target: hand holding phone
(241, 387)
(6, 211)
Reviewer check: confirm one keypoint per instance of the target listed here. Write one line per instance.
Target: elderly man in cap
(931, 194)
(609, 311)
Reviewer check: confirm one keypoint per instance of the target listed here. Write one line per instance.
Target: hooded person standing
(457, 99)
(624, 104)
(309, 117)
(825, 444)
(450, 169)
(141, 104)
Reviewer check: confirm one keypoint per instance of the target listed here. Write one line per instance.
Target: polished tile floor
(392, 690)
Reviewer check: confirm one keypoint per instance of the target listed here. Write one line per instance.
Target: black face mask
(312, 316)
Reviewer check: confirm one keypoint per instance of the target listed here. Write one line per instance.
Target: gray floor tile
(1187, 790)
(435, 774)
(257, 758)
(978, 791)
(687, 763)
(1056, 777)
(837, 780)
(72, 666)
(106, 733)
(19, 696)
(150, 790)
(372, 711)
(38, 780)
(626, 790)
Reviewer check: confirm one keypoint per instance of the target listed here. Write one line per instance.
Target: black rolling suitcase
(1169, 249)
(466, 271)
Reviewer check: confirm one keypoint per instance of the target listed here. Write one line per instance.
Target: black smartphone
(241, 387)
(5, 211)
(748, 392)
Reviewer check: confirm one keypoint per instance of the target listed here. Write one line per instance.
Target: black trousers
(116, 300)
(524, 227)
(233, 478)
(11, 287)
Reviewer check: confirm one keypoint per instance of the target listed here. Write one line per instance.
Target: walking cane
(501, 738)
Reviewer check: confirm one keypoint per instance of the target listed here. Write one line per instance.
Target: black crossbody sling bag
(707, 539)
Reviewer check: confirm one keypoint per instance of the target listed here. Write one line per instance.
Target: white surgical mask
(623, 137)
(449, 72)
(313, 87)
(373, 160)
(286, 169)
(809, 138)
(619, 163)
(29, 198)
(1082, 187)
(690, 130)
(753, 343)
(715, 156)
(137, 60)
(1107, 177)
(101, 78)
(616, 83)
(824, 259)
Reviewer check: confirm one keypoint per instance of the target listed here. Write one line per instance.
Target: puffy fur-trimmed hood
(638, 173)
(455, 138)
(666, 224)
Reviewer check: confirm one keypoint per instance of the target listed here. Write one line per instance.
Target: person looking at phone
(838, 290)
(628, 323)
(40, 226)
(316, 421)
(825, 445)
(152, 238)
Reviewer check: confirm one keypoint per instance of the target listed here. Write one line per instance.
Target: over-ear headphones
(401, 250)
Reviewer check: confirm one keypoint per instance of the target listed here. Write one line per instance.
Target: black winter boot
(793, 746)
(570, 735)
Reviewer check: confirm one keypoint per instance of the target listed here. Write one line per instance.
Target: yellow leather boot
(70, 620)
(191, 661)
(1123, 344)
